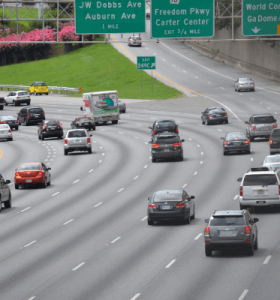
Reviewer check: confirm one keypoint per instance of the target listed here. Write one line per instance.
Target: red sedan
(35, 173)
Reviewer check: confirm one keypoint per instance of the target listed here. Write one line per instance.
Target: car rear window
(51, 123)
(36, 111)
(23, 94)
(7, 118)
(167, 140)
(261, 179)
(30, 167)
(73, 134)
(40, 84)
(263, 120)
(244, 79)
(227, 220)
(236, 136)
(4, 126)
(216, 111)
(272, 159)
(276, 133)
(165, 125)
(84, 120)
(168, 197)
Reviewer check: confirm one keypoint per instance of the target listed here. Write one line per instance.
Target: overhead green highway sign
(146, 62)
(261, 17)
(109, 16)
(182, 18)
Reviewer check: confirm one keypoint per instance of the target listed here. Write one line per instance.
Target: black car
(50, 128)
(274, 141)
(214, 115)
(170, 205)
(2, 103)
(122, 106)
(10, 120)
(167, 145)
(83, 122)
(31, 115)
(236, 142)
(160, 126)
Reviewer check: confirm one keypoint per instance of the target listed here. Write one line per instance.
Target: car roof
(30, 107)
(235, 132)
(216, 108)
(165, 120)
(30, 163)
(275, 155)
(221, 213)
(80, 129)
(260, 115)
(260, 171)
(20, 91)
(163, 192)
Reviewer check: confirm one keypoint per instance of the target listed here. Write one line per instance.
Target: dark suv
(274, 141)
(160, 126)
(31, 115)
(231, 229)
(50, 128)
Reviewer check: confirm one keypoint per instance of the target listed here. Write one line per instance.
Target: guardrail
(59, 88)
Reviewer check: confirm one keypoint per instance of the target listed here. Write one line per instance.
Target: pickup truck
(2, 103)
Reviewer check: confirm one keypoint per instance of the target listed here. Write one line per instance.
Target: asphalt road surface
(86, 236)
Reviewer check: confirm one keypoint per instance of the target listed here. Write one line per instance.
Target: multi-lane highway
(86, 236)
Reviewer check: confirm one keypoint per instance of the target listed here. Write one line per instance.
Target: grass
(98, 67)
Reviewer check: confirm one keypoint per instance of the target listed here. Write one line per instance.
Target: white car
(18, 97)
(272, 162)
(6, 132)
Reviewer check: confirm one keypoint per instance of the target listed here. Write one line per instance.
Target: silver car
(244, 84)
(6, 132)
(134, 41)
(18, 97)
(272, 162)
(260, 125)
(77, 140)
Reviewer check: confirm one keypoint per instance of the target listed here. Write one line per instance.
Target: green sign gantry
(182, 18)
(260, 17)
(110, 16)
(146, 62)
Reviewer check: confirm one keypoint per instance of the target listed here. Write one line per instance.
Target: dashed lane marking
(98, 204)
(144, 218)
(68, 222)
(136, 177)
(170, 264)
(243, 295)
(195, 173)
(120, 190)
(56, 194)
(198, 236)
(235, 197)
(33, 242)
(184, 185)
(78, 266)
(115, 240)
(135, 297)
(267, 260)
(76, 181)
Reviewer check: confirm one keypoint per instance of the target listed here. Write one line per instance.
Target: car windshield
(29, 167)
(73, 134)
(276, 133)
(167, 140)
(168, 197)
(7, 118)
(227, 220)
(260, 179)
(272, 159)
(165, 125)
(36, 111)
(40, 84)
(84, 119)
(236, 136)
(4, 126)
(263, 120)
(120, 102)
(22, 94)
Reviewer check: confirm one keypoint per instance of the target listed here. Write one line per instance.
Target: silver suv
(259, 187)
(260, 125)
(77, 140)
(231, 229)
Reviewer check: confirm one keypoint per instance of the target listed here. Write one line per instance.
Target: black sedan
(10, 120)
(214, 115)
(236, 142)
(171, 205)
(160, 126)
(122, 106)
(167, 145)
(50, 128)
(83, 122)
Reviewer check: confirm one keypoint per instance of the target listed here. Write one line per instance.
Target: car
(122, 106)
(50, 128)
(6, 132)
(38, 88)
(33, 173)
(274, 141)
(10, 120)
(5, 193)
(231, 229)
(272, 162)
(161, 126)
(77, 140)
(171, 205)
(167, 145)
(259, 187)
(244, 84)
(18, 97)
(2, 103)
(148, 13)
(83, 122)
(236, 142)
(31, 115)
(260, 125)
(214, 115)
(134, 41)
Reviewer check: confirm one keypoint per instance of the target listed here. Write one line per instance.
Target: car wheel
(250, 251)
(151, 222)
(188, 219)
(47, 94)
(10, 139)
(225, 153)
(89, 151)
(42, 137)
(39, 137)
(93, 128)
(49, 183)
(154, 160)
(249, 151)
(193, 216)
(14, 103)
(1, 107)
(238, 91)
(19, 122)
(251, 139)
(16, 186)
(202, 121)
(208, 252)
(61, 137)
(115, 122)
(181, 158)
(28, 103)
(44, 185)
(226, 121)
(242, 206)
(207, 122)
(8, 203)
(65, 152)
(6, 104)
(256, 244)
(16, 128)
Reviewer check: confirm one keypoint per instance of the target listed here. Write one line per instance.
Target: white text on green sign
(146, 62)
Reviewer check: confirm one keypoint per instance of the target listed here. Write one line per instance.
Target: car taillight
(88, 140)
(279, 190)
(180, 204)
(253, 127)
(27, 116)
(44, 127)
(177, 144)
(124, 104)
(247, 142)
(155, 131)
(177, 130)
(207, 231)
(247, 230)
(225, 115)
(39, 174)
(151, 205)
(155, 145)
(60, 125)
(139, 40)
(17, 174)
(252, 82)
(10, 130)
(210, 116)
(240, 84)
(274, 125)
(17, 97)
(66, 141)
(271, 142)
(2, 122)
(16, 121)
(44, 115)
(225, 142)
(241, 191)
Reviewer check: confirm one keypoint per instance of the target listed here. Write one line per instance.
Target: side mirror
(256, 220)
(239, 179)
(49, 168)
(149, 198)
(182, 140)
(150, 127)
(81, 108)
(8, 181)
(90, 135)
(206, 221)
(222, 138)
(246, 122)
(192, 197)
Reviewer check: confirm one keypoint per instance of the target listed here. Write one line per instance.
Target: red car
(34, 173)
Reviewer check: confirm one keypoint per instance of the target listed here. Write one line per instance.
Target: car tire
(44, 185)
(242, 206)
(154, 160)
(251, 138)
(39, 137)
(16, 128)
(14, 103)
(151, 222)
(207, 122)
(6, 104)
(238, 91)
(28, 103)
(16, 186)
(42, 137)
(202, 121)
(89, 151)
(208, 252)
(249, 151)
(93, 128)
(187, 220)
(19, 122)
(65, 152)
(10, 139)
(226, 122)
(115, 122)
(225, 153)
(1, 107)
(8, 203)
(49, 183)
(47, 94)
(61, 137)
(256, 244)
(250, 251)
(193, 216)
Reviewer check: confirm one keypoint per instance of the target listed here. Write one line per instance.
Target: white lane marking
(222, 88)
(202, 153)
(103, 153)
(170, 264)
(98, 204)
(120, 190)
(260, 103)
(90, 170)
(51, 159)
(198, 145)
(275, 112)
(243, 295)
(251, 98)
(150, 157)
(144, 218)
(56, 194)
(201, 162)
(115, 240)
(76, 181)
(101, 148)
(174, 66)
(252, 158)
(163, 59)
(195, 76)
(190, 139)
(155, 54)
(30, 244)
(120, 132)
(195, 173)
(78, 266)
(25, 209)
(135, 297)
(209, 82)
(268, 107)
(136, 177)
(136, 137)
(100, 161)
(198, 236)
(32, 298)
(46, 159)
(68, 222)
(235, 197)
(146, 167)
(267, 260)
(220, 129)
(94, 141)
(184, 71)
(60, 110)
(146, 143)
(147, 48)
(184, 185)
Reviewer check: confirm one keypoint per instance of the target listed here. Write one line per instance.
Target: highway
(86, 236)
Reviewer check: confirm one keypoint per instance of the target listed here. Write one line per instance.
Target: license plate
(36, 116)
(77, 141)
(10, 122)
(28, 180)
(165, 207)
(86, 123)
(260, 192)
(265, 128)
(227, 233)
(52, 128)
(236, 144)
(166, 150)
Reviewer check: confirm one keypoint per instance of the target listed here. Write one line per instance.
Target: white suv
(259, 187)
(18, 97)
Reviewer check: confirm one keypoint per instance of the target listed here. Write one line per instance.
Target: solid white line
(198, 236)
(275, 112)
(268, 108)
(56, 194)
(202, 153)
(146, 167)
(267, 260)
(194, 173)
(25, 209)
(190, 139)
(147, 48)
(184, 71)
(68, 222)
(76, 268)
(163, 59)
(243, 295)
(155, 54)
(115, 240)
(201, 162)
(174, 66)
(144, 218)
(121, 132)
(198, 145)
(32, 298)
(98, 204)
(170, 264)
(76, 181)
(136, 177)
(101, 148)
(235, 197)
(195, 76)
(146, 143)
(251, 98)
(184, 185)
(135, 297)
(252, 159)
(120, 190)
(94, 141)
(90, 170)
(100, 161)
(30, 244)
(220, 129)
(103, 153)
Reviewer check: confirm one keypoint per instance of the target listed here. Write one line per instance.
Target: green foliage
(227, 23)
